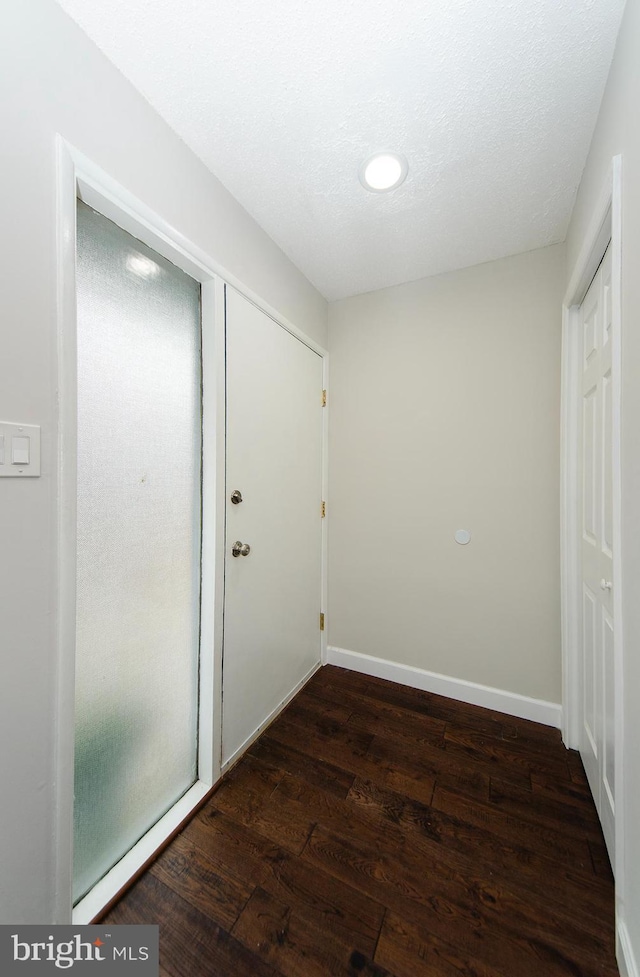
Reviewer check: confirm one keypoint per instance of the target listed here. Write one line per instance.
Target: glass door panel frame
(138, 588)
(78, 177)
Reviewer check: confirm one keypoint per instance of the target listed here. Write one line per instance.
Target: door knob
(605, 584)
(236, 497)
(240, 549)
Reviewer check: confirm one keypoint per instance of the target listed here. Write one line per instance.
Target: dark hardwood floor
(378, 830)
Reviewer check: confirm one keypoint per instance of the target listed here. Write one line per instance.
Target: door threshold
(105, 891)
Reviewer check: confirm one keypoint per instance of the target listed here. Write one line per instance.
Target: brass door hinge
(324, 398)
(324, 509)
(322, 622)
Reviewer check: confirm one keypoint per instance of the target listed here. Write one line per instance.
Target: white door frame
(78, 176)
(605, 225)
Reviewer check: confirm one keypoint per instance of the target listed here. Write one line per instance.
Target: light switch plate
(10, 431)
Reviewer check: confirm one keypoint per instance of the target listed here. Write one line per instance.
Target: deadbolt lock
(236, 497)
(240, 549)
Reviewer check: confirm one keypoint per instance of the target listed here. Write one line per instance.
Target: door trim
(605, 225)
(79, 177)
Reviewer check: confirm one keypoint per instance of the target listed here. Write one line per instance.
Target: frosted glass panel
(138, 583)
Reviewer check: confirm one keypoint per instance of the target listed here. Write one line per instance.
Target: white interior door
(596, 467)
(274, 460)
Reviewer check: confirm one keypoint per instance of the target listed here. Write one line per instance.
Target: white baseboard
(627, 962)
(537, 710)
(227, 764)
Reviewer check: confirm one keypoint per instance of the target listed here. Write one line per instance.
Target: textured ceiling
(493, 102)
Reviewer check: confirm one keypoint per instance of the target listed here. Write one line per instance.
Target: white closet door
(597, 730)
(274, 459)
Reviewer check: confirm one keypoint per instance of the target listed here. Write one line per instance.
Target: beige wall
(445, 398)
(52, 79)
(618, 131)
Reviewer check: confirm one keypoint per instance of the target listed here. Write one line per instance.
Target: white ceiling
(493, 102)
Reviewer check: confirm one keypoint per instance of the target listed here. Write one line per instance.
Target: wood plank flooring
(379, 831)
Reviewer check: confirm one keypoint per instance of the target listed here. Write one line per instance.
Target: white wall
(52, 79)
(444, 415)
(618, 131)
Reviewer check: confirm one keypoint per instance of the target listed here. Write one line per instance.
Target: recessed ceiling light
(383, 172)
